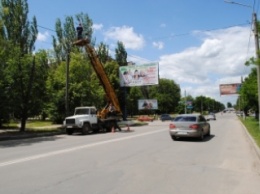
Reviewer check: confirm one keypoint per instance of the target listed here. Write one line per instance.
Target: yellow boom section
(102, 76)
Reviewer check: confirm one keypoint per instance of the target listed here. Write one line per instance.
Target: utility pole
(257, 59)
(67, 83)
(257, 52)
(185, 102)
(201, 105)
(125, 107)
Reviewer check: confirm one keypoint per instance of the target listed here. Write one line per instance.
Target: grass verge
(32, 127)
(252, 126)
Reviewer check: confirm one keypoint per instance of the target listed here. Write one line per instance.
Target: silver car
(189, 125)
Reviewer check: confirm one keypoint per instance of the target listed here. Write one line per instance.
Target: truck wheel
(69, 131)
(85, 129)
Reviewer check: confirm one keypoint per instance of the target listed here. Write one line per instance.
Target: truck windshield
(81, 111)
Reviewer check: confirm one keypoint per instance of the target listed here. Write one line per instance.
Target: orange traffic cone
(128, 128)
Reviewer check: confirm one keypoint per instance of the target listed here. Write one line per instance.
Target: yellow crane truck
(88, 119)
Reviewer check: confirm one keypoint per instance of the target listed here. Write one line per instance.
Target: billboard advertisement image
(228, 89)
(139, 75)
(147, 104)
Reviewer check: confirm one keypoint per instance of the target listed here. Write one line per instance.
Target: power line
(175, 35)
(165, 37)
(46, 28)
(188, 33)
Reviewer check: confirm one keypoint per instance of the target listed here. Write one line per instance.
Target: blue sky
(197, 43)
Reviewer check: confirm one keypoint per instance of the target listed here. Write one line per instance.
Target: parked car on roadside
(166, 117)
(145, 118)
(211, 116)
(189, 125)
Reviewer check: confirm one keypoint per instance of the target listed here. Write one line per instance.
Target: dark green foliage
(121, 54)
(249, 94)
(20, 68)
(103, 53)
(205, 105)
(66, 35)
(167, 94)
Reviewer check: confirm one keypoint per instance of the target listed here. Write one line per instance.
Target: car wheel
(174, 137)
(208, 134)
(201, 136)
(85, 129)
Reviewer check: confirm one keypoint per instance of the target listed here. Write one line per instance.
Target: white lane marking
(35, 157)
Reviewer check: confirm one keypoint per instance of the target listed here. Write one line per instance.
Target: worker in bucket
(79, 31)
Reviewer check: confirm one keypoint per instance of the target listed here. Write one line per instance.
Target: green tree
(229, 105)
(84, 87)
(103, 53)
(22, 34)
(66, 35)
(250, 99)
(200, 104)
(4, 82)
(121, 54)
(167, 94)
(249, 93)
(65, 53)
(18, 29)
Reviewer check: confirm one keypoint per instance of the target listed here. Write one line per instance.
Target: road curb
(27, 136)
(255, 146)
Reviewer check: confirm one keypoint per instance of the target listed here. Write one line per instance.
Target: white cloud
(97, 26)
(219, 59)
(158, 45)
(43, 36)
(126, 34)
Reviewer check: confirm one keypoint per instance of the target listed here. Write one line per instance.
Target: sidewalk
(12, 134)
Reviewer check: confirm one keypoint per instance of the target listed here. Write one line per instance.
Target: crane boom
(102, 76)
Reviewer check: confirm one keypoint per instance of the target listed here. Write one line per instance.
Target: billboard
(189, 104)
(139, 75)
(228, 89)
(147, 104)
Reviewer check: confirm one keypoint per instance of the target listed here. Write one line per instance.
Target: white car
(211, 117)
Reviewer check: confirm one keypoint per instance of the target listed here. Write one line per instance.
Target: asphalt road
(145, 160)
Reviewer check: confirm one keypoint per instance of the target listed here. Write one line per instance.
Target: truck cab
(84, 120)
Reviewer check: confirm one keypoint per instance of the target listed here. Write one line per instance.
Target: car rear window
(185, 118)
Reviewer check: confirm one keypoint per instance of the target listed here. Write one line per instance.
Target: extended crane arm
(102, 76)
